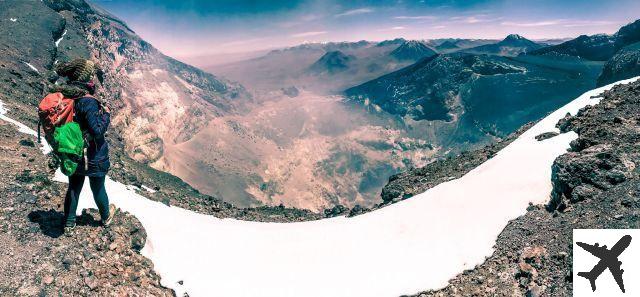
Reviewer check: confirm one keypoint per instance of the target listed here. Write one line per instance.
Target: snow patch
(60, 39)
(414, 245)
(32, 68)
(150, 190)
(22, 128)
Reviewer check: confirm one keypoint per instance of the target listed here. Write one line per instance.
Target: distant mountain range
(620, 50)
(324, 67)
(475, 87)
(599, 47)
(512, 45)
(481, 94)
(596, 47)
(448, 45)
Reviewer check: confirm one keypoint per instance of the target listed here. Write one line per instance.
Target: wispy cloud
(532, 24)
(474, 19)
(308, 34)
(396, 28)
(415, 17)
(589, 23)
(355, 12)
(561, 22)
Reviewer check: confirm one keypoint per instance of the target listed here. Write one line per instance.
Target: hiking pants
(73, 195)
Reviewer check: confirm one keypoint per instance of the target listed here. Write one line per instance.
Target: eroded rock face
(596, 185)
(624, 64)
(428, 89)
(142, 85)
(415, 181)
(606, 153)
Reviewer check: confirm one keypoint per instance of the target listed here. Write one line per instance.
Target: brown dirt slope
(36, 259)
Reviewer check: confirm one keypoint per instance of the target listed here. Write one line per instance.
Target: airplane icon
(608, 259)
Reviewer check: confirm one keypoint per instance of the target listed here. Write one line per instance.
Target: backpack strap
(39, 126)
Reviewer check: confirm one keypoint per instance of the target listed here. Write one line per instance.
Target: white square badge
(606, 262)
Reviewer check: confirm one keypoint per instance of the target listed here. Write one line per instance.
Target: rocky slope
(595, 185)
(417, 180)
(140, 84)
(425, 90)
(28, 50)
(477, 94)
(624, 64)
(38, 260)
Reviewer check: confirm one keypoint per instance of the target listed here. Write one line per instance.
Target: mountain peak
(412, 50)
(332, 62)
(514, 37)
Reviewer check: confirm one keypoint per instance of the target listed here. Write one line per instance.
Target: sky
(193, 28)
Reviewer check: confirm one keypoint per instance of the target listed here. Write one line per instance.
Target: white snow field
(408, 247)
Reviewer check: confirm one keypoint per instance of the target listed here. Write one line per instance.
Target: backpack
(63, 135)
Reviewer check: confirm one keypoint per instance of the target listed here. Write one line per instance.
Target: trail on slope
(413, 245)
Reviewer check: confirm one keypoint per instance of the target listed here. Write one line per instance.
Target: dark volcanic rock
(624, 64)
(533, 254)
(605, 153)
(546, 135)
(38, 260)
(415, 181)
(426, 90)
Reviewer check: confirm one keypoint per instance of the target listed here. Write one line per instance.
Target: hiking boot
(112, 213)
(69, 228)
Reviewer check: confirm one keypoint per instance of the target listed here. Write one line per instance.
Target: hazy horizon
(198, 27)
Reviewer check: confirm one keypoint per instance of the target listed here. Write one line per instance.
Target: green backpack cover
(69, 146)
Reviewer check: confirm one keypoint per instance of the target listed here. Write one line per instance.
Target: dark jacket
(94, 123)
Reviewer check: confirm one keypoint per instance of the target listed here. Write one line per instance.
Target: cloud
(439, 27)
(474, 19)
(308, 34)
(396, 28)
(589, 23)
(415, 17)
(564, 23)
(532, 24)
(355, 12)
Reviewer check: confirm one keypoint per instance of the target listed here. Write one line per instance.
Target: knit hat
(80, 70)
(73, 89)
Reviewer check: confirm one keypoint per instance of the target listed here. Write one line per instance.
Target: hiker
(93, 119)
